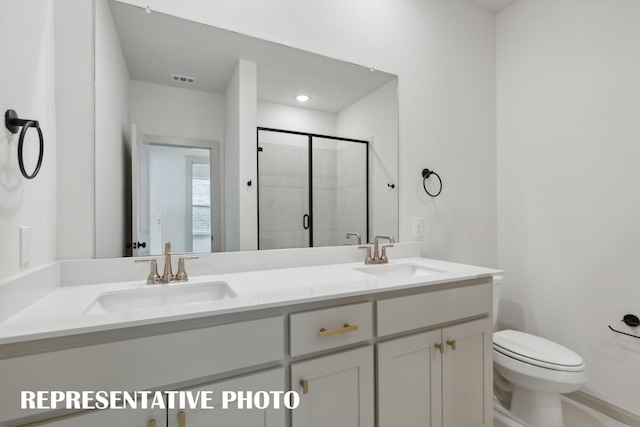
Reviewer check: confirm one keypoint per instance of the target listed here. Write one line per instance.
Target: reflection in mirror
(183, 89)
(312, 189)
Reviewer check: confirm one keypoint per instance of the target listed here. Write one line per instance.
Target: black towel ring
(426, 173)
(13, 123)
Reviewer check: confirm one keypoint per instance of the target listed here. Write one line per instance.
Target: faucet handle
(368, 259)
(153, 270)
(182, 275)
(383, 258)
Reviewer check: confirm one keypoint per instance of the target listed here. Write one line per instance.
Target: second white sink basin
(399, 271)
(156, 296)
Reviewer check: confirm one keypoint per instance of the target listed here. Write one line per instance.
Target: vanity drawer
(327, 328)
(431, 308)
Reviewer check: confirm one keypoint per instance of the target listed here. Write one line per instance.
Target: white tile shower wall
(325, 220)
(284, 191)
(351, 190)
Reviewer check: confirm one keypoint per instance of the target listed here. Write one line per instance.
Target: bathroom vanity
(362, 345)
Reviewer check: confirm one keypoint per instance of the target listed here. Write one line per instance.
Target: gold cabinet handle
(182, 419)
(305, 386)
(347, 328)
(452, 343)
(439, 346)
(152, 423)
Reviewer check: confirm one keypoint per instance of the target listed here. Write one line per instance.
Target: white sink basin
(156, 296)
(399, 271)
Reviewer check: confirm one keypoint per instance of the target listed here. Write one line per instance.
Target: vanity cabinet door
(335, 390)
(409, 381)
(110, 418)
(467, 374)
(272, 380)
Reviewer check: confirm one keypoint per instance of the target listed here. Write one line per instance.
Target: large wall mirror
(201, 140)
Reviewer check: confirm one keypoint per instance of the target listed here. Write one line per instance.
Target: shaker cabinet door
(467, 374)
(409, 381)
(272, 380)
(335, 390)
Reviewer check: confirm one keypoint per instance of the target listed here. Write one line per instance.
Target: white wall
(374, 118)
(170, 111)
(444, 54)
(112, 136)
(27, 64)
(285, 117)
(241, 202)
(75, 154)
(568, 177)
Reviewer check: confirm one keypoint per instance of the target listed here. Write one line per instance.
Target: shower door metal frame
(310, 156)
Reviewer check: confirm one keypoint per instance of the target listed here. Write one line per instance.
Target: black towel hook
(13, 123)
(426, 173)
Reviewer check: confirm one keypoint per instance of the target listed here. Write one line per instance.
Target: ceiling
(157, 45)
(492, 5)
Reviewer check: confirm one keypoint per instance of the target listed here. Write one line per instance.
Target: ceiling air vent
(182, 79)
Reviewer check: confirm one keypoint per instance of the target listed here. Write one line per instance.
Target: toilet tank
(497, 284)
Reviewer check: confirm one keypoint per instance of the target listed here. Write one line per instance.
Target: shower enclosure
(312, 189)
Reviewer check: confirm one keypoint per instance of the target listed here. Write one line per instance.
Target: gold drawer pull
(452, 343)
(305, 386)
(152, 423)
(440, 347)
(347, 328)
(182, 419)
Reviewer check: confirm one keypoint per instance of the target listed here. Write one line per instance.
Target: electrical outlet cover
(25, 244)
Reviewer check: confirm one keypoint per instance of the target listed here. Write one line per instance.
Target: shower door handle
(305, 221)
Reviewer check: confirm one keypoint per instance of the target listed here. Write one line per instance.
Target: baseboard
(606, 408)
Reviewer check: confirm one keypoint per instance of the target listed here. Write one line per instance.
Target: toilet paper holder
(629, 320)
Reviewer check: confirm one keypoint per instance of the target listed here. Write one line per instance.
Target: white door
(111, 418)
(335, 390)
(233, 416)
(467, 374)
(409, 381)
(140, 236)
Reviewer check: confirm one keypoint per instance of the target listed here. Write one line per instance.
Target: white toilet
(531, 372)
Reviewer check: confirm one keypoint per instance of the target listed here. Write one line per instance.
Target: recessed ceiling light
(302, 98)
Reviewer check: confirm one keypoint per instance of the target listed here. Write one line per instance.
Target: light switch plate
(25, 244)
(418, 228)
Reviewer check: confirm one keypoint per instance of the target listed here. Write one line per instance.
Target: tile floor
(575, 415)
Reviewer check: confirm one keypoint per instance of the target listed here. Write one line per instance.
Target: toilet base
(535, 408)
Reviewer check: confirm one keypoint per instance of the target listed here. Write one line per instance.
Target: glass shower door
(283, 190)
(339, 181)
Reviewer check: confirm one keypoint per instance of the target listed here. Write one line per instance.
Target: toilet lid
(536, 351)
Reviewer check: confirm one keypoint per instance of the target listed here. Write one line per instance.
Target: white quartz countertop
(61, 312)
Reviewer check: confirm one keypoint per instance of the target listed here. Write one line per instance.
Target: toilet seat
(537, 351)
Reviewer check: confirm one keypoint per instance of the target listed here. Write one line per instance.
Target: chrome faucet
(357, 235)
(167, 275)
(377, 258)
